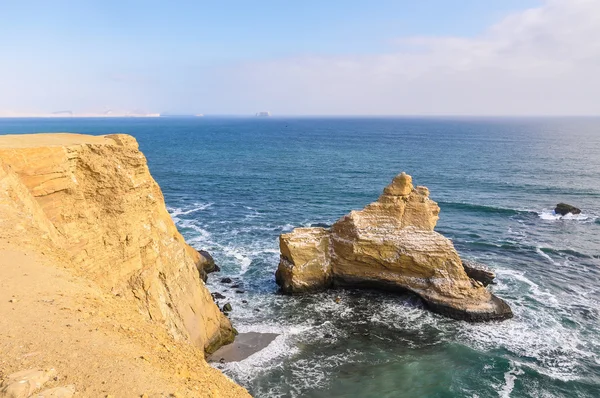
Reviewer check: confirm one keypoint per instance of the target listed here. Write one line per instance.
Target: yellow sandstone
(390, 245)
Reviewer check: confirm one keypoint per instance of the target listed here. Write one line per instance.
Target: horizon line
(253, 116)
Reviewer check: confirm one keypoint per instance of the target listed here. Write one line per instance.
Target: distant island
(263, 114)
(71, 114)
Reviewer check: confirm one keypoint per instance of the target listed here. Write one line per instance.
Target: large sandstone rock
(93, 198)
(390, 245)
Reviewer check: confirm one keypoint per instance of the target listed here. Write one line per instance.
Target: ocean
(233, 185)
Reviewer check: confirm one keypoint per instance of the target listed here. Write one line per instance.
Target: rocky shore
(390, 245)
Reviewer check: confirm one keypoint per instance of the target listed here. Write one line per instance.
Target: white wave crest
(551, 215)
(179, 211)
(509, 381)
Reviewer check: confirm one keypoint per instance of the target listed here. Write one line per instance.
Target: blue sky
(310, 57)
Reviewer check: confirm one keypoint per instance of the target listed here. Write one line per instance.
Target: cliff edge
(88, 206)
(391, 245)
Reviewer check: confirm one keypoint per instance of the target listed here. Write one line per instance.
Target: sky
(377, 57)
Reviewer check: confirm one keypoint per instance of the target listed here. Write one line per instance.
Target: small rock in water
(257, 309)
(320, 225)
(245, 301)
(237, 285)
(338, 299)
(227, 308)
(328, 335)
(564, 209)
(225, 280)
(217, 295)
(240, 291)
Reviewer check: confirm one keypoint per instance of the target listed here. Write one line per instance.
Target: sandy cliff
(390, 245)
(89, 205)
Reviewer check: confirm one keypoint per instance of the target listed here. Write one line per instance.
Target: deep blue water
(233, 185)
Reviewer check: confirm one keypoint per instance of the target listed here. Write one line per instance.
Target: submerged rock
(389, 245)
(480, 272)
(564, 209)
(320, 225)
(225, 280)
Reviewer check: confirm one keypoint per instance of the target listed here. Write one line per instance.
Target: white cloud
(544, 60)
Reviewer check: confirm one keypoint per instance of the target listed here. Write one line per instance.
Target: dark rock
(240, 291)
(257, 310)
(227, 308)
(206, 264)
(320, 225)
(225, 280)
(209, 260)
(237, 285)
(564, 209)
(218, 296)
(328, 335)
(480, 272)
(501, 311)
(244, 301)
(203, 274)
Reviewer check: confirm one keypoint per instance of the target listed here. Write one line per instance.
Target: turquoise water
(233, 185)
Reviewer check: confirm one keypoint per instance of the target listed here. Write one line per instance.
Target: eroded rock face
(305, 263)
(480, 272)
(93, 198)
(390, 245)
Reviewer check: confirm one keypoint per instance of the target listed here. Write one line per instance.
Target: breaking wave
(550, 215)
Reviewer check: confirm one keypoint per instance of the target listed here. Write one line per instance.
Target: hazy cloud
(544, 60)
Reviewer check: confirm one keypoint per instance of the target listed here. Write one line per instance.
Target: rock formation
(564, 209)
(93, 199)
(389, 245)
(480, 272)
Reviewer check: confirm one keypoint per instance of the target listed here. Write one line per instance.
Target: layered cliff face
(93, 200)
(305, 262)
(391, 245)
